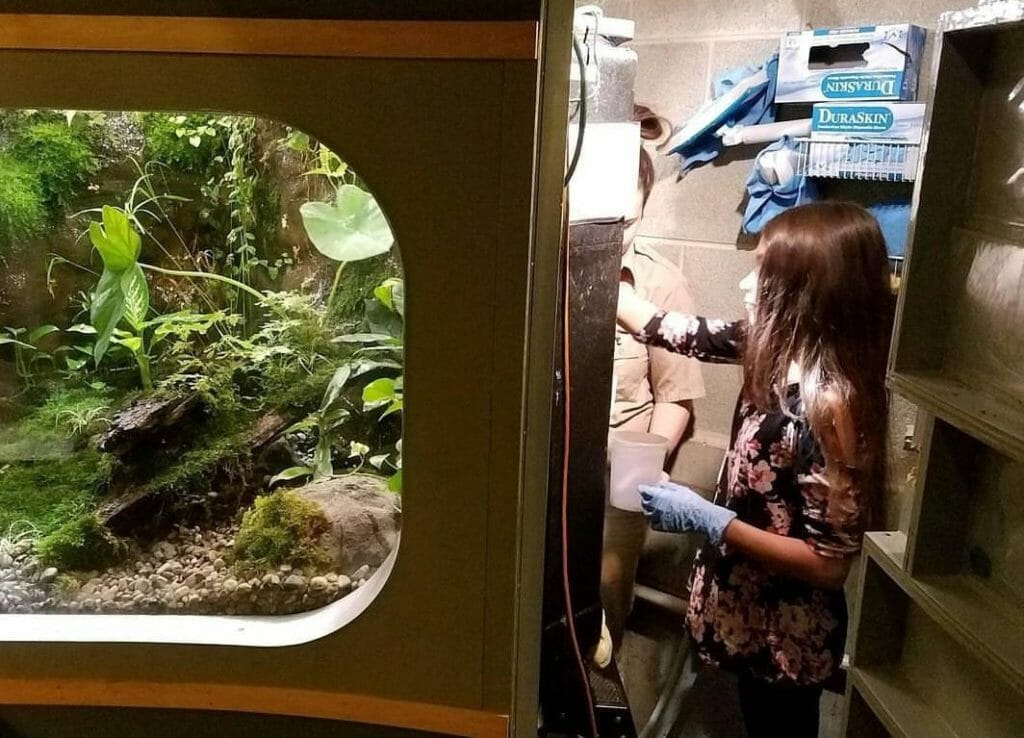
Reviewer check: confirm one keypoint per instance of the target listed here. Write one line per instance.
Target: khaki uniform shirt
(645, 375)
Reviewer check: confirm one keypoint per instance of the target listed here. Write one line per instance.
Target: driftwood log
(156, 426)
(147, 422)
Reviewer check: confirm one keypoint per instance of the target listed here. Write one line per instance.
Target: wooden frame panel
(438, 650)
(286, 37)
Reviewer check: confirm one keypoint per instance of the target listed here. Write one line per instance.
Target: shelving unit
(937, 634)
(877, 161)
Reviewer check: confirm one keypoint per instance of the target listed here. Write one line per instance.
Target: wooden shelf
(972, 614)
(895, 703)
(997, 422)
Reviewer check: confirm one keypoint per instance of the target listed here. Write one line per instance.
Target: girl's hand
(676, 509)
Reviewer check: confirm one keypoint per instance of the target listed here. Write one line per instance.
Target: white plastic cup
(637, 458)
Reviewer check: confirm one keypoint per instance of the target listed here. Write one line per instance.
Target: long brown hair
(824, 302)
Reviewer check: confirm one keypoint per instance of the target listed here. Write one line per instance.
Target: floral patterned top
(742, 616)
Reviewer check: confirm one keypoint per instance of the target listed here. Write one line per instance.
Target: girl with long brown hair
(807, 459)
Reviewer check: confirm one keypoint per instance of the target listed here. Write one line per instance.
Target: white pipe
(764, 133)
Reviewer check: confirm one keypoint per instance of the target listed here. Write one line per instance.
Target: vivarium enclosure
(200, 366)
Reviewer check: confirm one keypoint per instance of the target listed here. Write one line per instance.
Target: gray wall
(696, 221)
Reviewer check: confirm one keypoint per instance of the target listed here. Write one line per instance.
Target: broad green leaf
(4, 340)
(41, 331)
(395, 482)
(379, 392)
(395, 407)
(132, 343)
(398, 296)
(379, 319)
(323, 467)
(364, 338)
(292, 472)
(297, 141)
(136, 297)
(364, 366)
(83, 328)
(335, 386)
(75, 364)
(116, 240)
(106, 309)
(353, 228)
(391, 294)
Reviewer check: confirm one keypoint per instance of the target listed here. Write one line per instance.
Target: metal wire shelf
(880, 161)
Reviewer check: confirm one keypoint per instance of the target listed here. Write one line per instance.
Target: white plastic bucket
(637, 458)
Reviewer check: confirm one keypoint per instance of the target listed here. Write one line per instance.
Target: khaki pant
(624, 536)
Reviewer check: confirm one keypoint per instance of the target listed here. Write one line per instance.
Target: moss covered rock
(281, 528)
(83, 543)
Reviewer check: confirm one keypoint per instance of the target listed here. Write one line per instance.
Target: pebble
(193, 575)
(171, 567)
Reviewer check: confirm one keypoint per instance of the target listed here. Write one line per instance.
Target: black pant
(774, 710)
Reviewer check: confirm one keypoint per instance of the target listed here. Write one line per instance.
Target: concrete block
(697, 465)
(672, 78)
(714, 411)
(748, 52)
(714, 275)
(833, 13)
(657, 19)
(704, 206)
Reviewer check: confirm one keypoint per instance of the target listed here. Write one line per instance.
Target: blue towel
(765, 201)
(756, 108)
(894, 219)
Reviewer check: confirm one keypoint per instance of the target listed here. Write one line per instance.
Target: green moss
(74, 412)
(358, 283)
(82, 543)
(195, 471)
(281, 528)
(22, 209)
(61, 158)
(40, 496)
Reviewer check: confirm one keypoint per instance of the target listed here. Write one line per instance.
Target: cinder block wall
(696, 222)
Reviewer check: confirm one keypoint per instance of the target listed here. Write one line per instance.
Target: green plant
(378, 353)
(22, 210)
(82, 543)
(188, 143)
(122, 293)
(26, 348)
(281, 528)
(61, 157)
(352, 228)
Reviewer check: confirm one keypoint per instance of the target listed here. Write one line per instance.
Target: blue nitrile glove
(676, 509)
